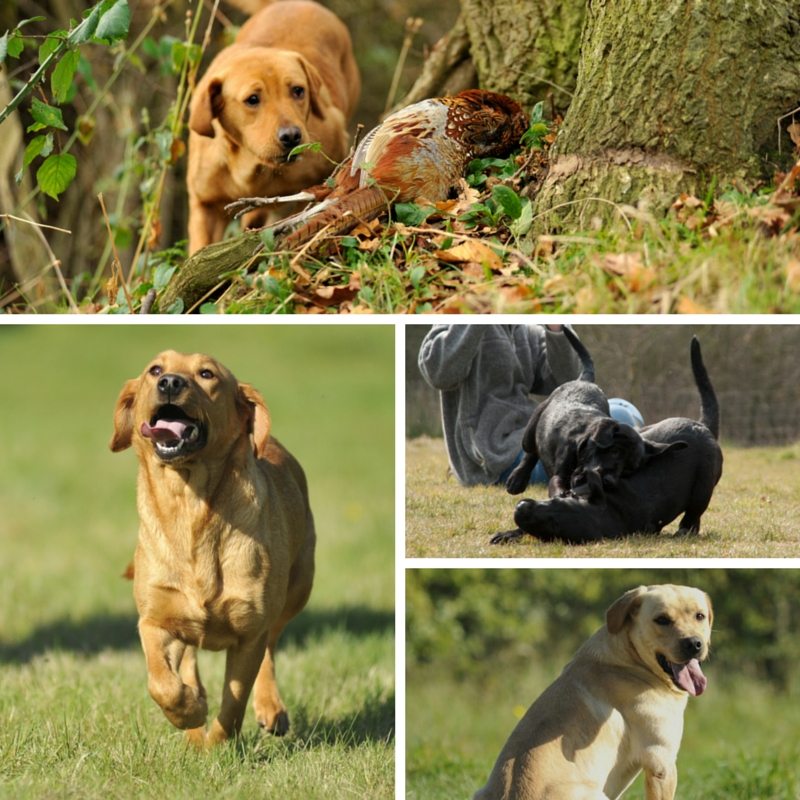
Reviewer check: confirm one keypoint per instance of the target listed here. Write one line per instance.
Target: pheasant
(421, 150)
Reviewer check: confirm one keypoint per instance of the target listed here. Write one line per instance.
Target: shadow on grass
(118, 632)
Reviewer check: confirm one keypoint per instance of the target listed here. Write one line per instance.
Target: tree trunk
(670, 96)
(526, 48)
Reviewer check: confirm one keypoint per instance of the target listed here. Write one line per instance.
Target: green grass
(77, 718)
(740, 741)
(753, 512)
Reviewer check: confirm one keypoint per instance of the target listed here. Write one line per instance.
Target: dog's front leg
(172, 677)
(660, 774)
(241, 667)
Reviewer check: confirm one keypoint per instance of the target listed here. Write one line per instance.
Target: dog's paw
(506, 537)
(277, 724)
(516, 483)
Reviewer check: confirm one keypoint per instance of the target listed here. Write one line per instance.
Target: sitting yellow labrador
(616, 709)
(225, 556)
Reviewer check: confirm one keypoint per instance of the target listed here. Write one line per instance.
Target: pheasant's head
(488, 123)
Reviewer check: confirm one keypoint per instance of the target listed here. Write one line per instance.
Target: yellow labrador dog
(616, 709)
(225, 556)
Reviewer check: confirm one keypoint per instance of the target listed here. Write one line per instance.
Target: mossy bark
(206, 269)
(526, 48)
(670, 96)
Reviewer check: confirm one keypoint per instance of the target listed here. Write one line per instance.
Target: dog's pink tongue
(164, 430)
(690, 677)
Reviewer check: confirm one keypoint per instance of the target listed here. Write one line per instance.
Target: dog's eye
(253, 100)
(663, 620)
(155, 370)
(699, 616)
(298, 92)
(206, 374)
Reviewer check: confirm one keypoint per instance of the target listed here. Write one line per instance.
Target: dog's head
(184, 406)
(262, 98)
(668, 629)
(612, 449)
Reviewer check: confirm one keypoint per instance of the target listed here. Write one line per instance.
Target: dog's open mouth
(174, 433)
(688, 676)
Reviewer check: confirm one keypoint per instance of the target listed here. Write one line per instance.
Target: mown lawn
(77, 718)
(754, 513)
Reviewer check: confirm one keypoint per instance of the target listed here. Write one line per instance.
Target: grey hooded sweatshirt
(486, 374)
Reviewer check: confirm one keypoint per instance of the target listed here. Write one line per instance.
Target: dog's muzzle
(687, 676)
(174, 433)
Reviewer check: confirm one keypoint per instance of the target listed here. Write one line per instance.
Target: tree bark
(526, 48)
(670, 96)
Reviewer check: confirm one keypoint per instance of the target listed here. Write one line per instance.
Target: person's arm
(447, 352)
(560, 363)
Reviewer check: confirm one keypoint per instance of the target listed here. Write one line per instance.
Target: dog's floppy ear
(206, 104)
(318, 95)
(604, 433)
(710, 610)
(123, 416)
(260, 422)
(624, 609)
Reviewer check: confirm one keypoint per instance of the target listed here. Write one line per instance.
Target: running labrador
(573, 427)
(290, 78)
(616, 709)
(681, 480)
(225, 556)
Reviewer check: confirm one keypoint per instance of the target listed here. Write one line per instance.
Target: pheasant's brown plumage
(419, 151)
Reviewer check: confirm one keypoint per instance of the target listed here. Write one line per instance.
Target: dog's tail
(587, 365)
(709, 407)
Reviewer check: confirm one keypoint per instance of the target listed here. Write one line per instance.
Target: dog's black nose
(290, 137)
(691, 646)
(171, 384)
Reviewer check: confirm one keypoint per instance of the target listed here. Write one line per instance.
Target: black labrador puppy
(572, 428)
(680, 480)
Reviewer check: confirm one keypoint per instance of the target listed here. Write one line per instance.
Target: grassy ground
(77, 719)
(740, 740)
(753, 513)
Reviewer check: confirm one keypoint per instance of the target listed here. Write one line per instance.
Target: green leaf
(56, 173)
(3, 47)
(411, 213)
(508, 200)
(537, 112)
(313, 147)
(63, 74)
(522, 224)
(49, 46)
(38, 146)
(83, 32)
(16, 45)
(415, 275)
(209, 308)
(114, 23)
(46, 116)
(181, 53)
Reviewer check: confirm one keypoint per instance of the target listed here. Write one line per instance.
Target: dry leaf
(471, 251)
(688, 306)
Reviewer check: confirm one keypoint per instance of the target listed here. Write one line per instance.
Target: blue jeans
(621, 410)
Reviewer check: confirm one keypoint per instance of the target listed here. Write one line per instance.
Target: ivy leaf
(38, 146)
(46, 116)
(56, 173)
(63, 74)
(508, 200)
(114, 23)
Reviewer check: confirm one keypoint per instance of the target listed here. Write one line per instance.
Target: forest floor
(737, 250)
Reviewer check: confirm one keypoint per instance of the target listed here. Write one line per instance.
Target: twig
(116, 263)
(413, 24)
(37, 224)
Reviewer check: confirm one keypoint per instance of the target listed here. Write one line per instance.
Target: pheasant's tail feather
(339, 216)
